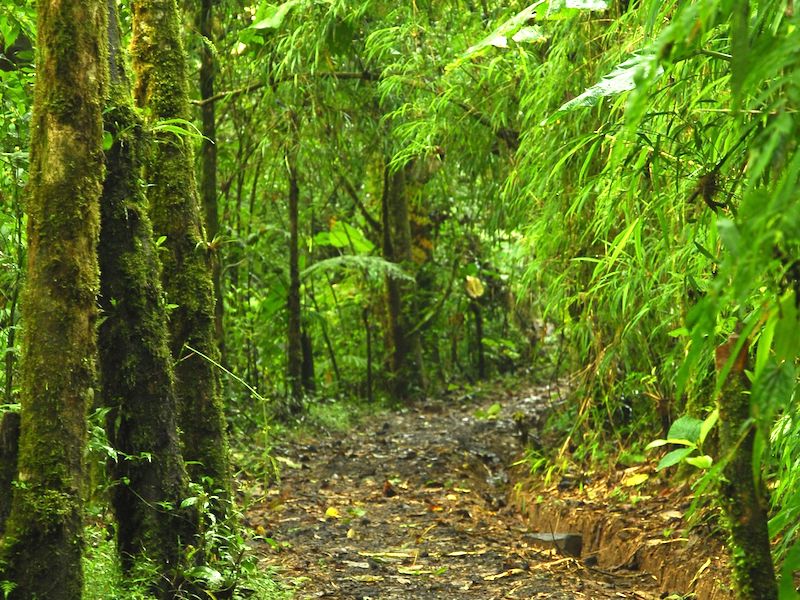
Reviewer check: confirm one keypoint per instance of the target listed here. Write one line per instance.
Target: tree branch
(362, 76)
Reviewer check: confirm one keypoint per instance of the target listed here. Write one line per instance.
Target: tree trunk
(742, 497)
(475, 308)
(309, 384)
(9, 453)
(161, 88)
(43, 543)
(294, 360)
(208, 184)
(407, 378)
(135, 361)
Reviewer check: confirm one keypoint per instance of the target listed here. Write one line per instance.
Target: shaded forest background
(397, 199)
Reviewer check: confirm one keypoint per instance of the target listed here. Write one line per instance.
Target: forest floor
(414, 505)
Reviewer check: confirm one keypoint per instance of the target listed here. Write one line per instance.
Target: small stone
(568, 543)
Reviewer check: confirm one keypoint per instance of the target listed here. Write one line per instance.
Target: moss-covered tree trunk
(135, 361)
(208, 183)
(161, 89)
(294, 359)
(41, 550)
(407, 377)
(742, 497)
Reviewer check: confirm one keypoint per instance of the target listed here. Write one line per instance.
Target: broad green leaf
(730, 236)
(708, 425)
(622, 79)
(211, 577)
(271, 16)
(673, 458)
(701, 462)
(686, 428)
(499, 37)
(343, 235)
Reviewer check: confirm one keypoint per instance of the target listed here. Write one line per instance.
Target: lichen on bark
(41, 550)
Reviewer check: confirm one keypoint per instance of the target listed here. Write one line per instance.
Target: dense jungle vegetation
(220, 218)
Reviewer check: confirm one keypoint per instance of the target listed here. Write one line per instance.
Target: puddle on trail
(413, 506)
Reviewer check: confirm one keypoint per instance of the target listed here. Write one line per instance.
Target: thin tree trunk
(161, 88)
(742, 497)
(9, 453)
(368, 336)
(208, 184)
(42, 547)
(407, 378)
(309, 384)
(295, 350)
(479, 350)
(135, 361)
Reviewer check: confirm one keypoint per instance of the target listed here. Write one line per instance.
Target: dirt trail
(413, 506)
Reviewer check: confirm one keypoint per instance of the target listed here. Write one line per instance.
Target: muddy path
(413, 505)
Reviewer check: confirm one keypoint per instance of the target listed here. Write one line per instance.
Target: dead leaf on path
(288, 462)
(388, 489)
(366, 578)
(416, 570)
(659, 542)
(355, 564)
(700, 571)
(390, 555)
(635, 479)
(669, 515)
(508, 573)
(332, 513)
(467, 553)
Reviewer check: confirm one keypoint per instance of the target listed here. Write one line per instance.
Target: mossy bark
(407, 376)
(135, 361)
(742, 497)
(41, 550)
(208, 183)
(161, 89)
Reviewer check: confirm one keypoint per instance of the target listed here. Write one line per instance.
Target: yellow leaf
(332, 513)
(474, 287)
(634, 480)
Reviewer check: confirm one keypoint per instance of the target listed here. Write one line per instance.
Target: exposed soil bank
(650, 537)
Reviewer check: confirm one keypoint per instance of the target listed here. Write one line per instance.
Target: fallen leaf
(355, 564)
(669, 515)
(388, 489)
(366, 578)
(508, 573)
(288, 462)
(415, 570)
(636, 479)
(332, 513)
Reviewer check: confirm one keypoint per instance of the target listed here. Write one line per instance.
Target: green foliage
(690, 433)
